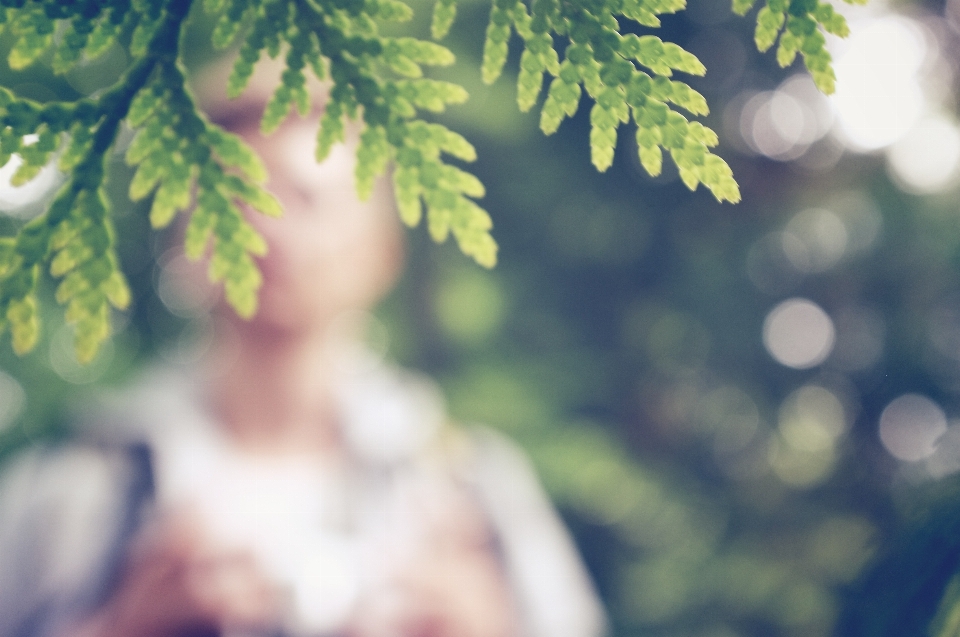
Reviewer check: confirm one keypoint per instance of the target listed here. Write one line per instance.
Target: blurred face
(330, 252)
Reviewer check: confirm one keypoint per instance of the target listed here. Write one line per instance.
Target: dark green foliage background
(555, 347)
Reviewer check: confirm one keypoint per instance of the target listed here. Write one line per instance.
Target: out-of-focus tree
(733, 405)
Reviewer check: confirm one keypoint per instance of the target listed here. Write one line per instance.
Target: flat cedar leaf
(33, 241)
(23, 318)
(685, 97)
(650, 51)
(425, 52)
(404, 66)
(315, 60)
(71, 285)
(444, 13)
(393, 11)
(171, 151)
(145, 179)
(649, 137)
(603, 141)
(693, 154)
(91, 331)
(219, 264)
(769, 24)
(69, 258)
(372, 157)
(461, 181)
(28, 48)
(701, 134)
(494, 50)
(778, 6)
(637, 11)
(97, 270)
(198, 231)
(479, 245)
(825, 81)
(301, 99)
(434, 95)
(407, 189)
(117, 290)
(103, 36)
(67, 229)
(239, 76)
(787, 51)
(688, 176)
(25, 173)
(483, 248)
(242, 279)
(172, 196)
(67, 52)
(225, 31)
(471, 227)
(262, 201)
(234, 152)
(145, 142)
(277, 109)
(552, 113)
(651, 159)
(143, 106)
(683, 61)
(718, 177)
(251, 240)
(142, 35)
(563, 99)
(8, 255)
(162, 210)
(570, 96)
(438, 221)
(241, 298)
(832, 21)
(82, 305)
(454, 143)
(529, 81)
(331, 130)
(674, 131)
(75, 309)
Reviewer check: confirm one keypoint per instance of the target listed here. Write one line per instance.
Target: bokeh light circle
(910, 427)
(823, 239)
(879, 97)
(927, 159)
(812, 419)
(798, 333)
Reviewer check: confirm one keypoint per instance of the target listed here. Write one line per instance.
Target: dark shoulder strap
(137, 499)
(45, 613)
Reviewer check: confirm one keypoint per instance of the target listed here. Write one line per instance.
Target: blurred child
(291, 483)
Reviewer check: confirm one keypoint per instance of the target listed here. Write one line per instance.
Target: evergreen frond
(378, 85)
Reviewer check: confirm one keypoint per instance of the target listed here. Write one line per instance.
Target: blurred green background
(735, 407)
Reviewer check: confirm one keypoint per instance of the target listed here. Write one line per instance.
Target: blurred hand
(178, 583)
(453, 585)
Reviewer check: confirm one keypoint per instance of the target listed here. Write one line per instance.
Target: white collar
(387, 415)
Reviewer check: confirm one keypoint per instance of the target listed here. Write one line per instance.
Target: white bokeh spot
(879, 97)
(798, 333)
(910, 427)
(927, 159)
